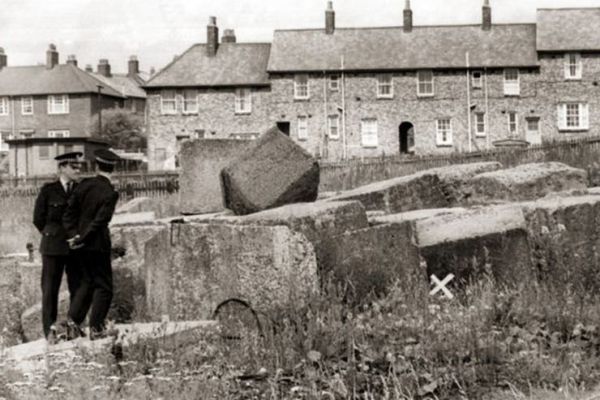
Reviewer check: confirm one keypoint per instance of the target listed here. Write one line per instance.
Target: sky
(157, 30)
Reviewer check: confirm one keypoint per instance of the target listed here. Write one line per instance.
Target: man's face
(70, 170)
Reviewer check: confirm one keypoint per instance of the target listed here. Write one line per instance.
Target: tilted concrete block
(202, 160)
(192, 268)
(275, 172)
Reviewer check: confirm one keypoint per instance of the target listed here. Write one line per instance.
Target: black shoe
(98, 333)
(52, 337)
(74, 331)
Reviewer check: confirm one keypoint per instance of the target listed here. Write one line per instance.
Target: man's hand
(74, 242)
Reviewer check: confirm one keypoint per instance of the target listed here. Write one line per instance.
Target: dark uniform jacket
(89, 210)
(48, 212)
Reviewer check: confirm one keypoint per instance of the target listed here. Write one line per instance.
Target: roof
(123, 84)
(235, 64)
(565, 29)
(510, 45)
(39, 80)
(73, 139)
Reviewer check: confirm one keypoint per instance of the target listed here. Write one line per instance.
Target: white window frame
(164, 100)
(302, 127)
(189, 104)
(480, 120)
(510, 123)
(243, 101)
(477, 83)
(58, 107)
(385, 86)
(583, 113)
(27, 109)
(421, 81)
(4, 105)
(333, 125)
(301, 87)
(368, 132)
(334, 82)
(441, 130)
(512, 87)
(59, 133)
(573, 63)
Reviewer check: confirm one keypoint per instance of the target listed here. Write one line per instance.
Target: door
(533, 131)
(406, 137)
(284, 126)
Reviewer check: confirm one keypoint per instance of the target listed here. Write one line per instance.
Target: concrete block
(526, 182)
(411, 216)
(191, 268)
(133, 218)
(201, 164)
(275, 172)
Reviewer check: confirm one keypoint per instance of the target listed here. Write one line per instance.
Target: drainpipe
(344, 140)
(469, 104)
(12, 115)
(487, 109)
(325, 118)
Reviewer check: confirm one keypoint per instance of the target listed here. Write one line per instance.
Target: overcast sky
(156, 30)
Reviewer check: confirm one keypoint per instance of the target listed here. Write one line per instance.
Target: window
(425, 83)
(573, 116)
(333, 124)
(58, 104)
(3, 105)
(512, 123)
(168, 102)
(511, 82)
(190, 101)
(243, 101)
(302, 127)
(385, 88)
(444, 132)
(476, 79)
(368, 132)
(573, 66)
(301, 87)
(480, 124)
(26, 105)
(44, 151)
(334, 82)
(59, 133)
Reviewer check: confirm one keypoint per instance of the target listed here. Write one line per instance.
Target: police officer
(56, 256)
(86, 219)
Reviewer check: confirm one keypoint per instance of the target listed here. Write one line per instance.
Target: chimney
(3, 59)
(486, 23)
(329, 18)
(71, 59)
(88, 68)
(408, 20)
(133, 67)
(228, 36)
(212, 37)
(104, 67)
(51, 56)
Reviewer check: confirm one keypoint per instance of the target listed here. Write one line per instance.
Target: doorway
(407, 137)
(284, 127)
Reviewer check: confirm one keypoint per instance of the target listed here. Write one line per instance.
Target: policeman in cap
(86, 219)
(50, 205)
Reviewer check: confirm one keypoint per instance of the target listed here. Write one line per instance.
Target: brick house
(353, 92)
(212, 90)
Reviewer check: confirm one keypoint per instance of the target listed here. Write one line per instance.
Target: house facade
(361, 92)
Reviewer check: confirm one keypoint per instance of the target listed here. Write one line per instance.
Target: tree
(122, 129)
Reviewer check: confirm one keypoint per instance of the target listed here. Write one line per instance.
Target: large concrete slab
(487, 240)
(202, 160)
(275, 172)
(527, 182)
(433, 188)
(192, 268)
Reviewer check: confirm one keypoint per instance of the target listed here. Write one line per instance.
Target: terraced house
(356, 92)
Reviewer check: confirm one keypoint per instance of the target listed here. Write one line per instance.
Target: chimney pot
(104, 67)
(228, 36)
(51, 56)
(486, 22)
(88, 68)
(212, 37)
(72, 59)
(408, 17)
(329, 18)
(3, 58)
(133, 66)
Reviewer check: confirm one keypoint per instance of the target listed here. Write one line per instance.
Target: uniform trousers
(52, 272)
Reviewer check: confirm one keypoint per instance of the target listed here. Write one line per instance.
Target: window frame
(59, 133)
(302, 126)
(439, 131)
(331, 80)
(243, 97)
(4, 106)
(298, 85)
(512, 87)
(373, 142)
(168, 100)
(420, 81)
(583, 116)
(385, 81)
(52, 104)
(483, 122)
(23, 112)
(191, 100)
(578, 66)
(509, 123)
(336, 118)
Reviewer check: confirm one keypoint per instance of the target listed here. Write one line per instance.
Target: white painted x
(441, 285)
